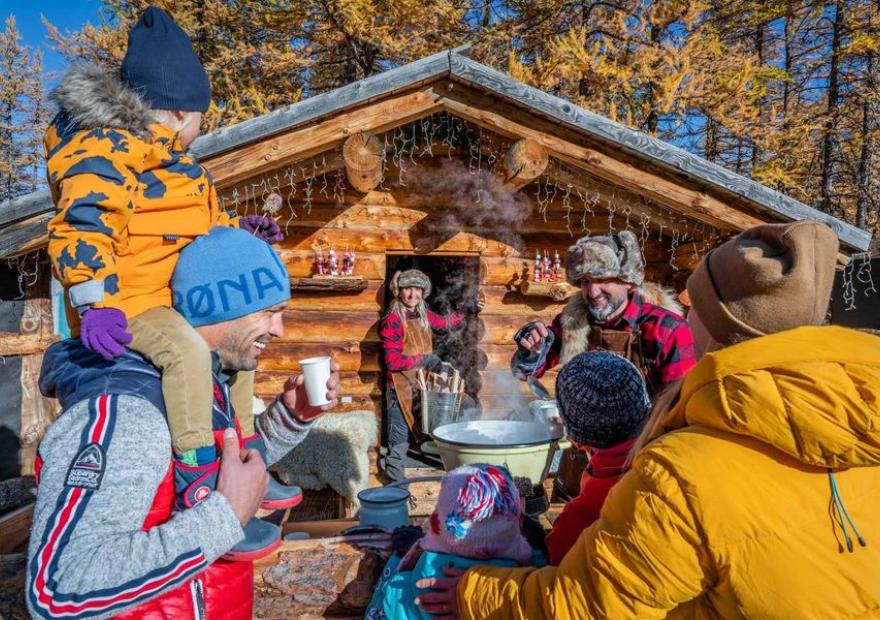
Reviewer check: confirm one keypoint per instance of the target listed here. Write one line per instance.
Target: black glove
(404, 537)
(534, 533)
(431, 362)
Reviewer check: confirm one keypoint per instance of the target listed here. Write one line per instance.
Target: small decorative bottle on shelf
(537, 274)
(333, 262)
(320, 263)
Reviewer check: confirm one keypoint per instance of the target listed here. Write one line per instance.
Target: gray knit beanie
(602, 399)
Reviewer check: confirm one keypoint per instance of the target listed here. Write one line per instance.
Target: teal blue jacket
(394, 597)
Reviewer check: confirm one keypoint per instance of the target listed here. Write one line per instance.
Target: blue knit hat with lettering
(602, 399)
(161, 66)
(226, 274)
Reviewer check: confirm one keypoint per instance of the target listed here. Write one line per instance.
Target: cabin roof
(457, 67)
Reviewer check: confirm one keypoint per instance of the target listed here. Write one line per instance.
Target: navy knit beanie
(162, 68)
(227, 274)
(602, 399)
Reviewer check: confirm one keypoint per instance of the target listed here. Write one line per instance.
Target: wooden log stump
(524, 162)
(362, 155)
(329, 577)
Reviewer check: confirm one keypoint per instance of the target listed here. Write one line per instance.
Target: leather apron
(628, 344)
(417, 340)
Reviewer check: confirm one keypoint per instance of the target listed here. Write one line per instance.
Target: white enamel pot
(524, 448)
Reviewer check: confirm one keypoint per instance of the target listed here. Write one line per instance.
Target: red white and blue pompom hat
(478, 515)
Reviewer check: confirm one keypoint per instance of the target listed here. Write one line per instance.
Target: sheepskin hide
(576, 317)
(333, 454)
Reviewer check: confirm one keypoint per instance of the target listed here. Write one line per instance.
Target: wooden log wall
(405, 220)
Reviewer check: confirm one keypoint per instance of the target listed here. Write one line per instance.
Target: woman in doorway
(408, 345)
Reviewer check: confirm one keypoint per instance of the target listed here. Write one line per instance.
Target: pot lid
(383, 495)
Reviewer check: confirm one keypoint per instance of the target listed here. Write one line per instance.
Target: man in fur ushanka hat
(617, 311)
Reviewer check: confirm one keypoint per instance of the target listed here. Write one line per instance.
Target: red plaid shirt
(667, 342)
(391, 331)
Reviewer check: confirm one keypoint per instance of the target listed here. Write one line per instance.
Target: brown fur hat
(606, 256)
(410, 277)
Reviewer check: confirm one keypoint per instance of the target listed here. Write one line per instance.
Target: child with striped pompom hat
(477, 520)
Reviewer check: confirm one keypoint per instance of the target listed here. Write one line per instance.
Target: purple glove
(262, 227)
(102, 330)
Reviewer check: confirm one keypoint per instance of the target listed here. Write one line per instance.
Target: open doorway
(455, 282)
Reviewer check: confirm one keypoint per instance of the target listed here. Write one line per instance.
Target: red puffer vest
(225, 591)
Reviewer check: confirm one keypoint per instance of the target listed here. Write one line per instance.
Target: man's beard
(235, 353)
(603, 313)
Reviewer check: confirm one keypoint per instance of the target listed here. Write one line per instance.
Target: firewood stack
(447, 381)
(441, 396)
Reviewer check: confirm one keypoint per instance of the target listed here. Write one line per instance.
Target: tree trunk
(653, 118)
(759, 48)
(830, 203)
(866, 156)
(711, 148)
(788, 36)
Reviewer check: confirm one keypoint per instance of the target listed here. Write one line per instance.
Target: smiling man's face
(606, 298)
(240, 342)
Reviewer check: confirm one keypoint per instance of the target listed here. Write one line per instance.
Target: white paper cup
(316, 371)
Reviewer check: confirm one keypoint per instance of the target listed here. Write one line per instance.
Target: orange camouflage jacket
(128, 197)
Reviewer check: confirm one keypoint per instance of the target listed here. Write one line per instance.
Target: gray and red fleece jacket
(103, 462)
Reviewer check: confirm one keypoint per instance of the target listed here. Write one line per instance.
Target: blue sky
(65, 14)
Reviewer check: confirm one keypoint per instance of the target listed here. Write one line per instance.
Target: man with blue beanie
(130, 198)
(106, 539)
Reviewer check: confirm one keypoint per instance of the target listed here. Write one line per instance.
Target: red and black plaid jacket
(391, 331)
(667, 342)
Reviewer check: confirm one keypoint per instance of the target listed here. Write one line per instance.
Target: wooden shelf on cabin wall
(329, 284)
(557, 291)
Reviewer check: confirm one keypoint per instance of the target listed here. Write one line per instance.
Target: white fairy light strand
(864, 275)
(849, 293)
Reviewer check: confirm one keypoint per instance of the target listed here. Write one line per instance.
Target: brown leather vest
(417, 340)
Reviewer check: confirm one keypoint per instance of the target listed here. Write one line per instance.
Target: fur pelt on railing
(334, 454)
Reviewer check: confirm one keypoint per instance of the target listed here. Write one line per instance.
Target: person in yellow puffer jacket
(129, 199)
(755, 491)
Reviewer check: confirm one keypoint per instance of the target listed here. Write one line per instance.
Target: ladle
(538, 388)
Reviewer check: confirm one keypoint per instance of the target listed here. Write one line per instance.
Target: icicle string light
(644, 230)
(849, 293)
(566, 205)
(864, 275)
(673, 247)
